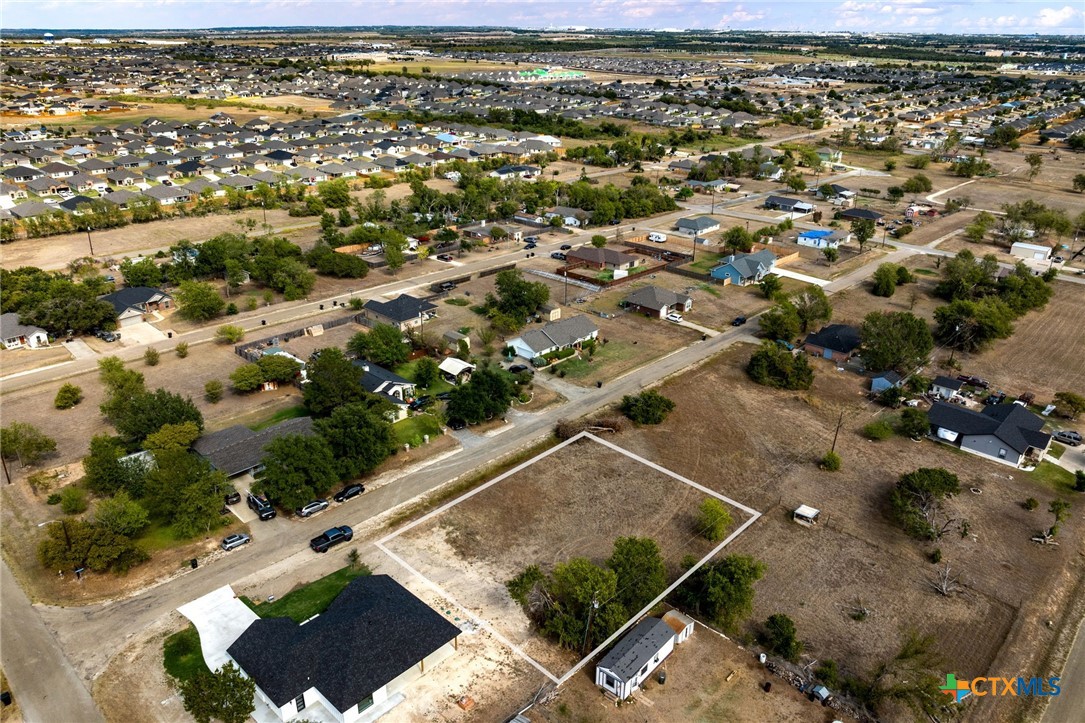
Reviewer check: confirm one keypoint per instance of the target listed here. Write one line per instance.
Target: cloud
(1055, 18)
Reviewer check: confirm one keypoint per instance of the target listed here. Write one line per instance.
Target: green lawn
(1056, 451)
(305, 602)
(280, 416)
(1051, 475)
(181, 654)
(706, 261)
(162, 536)
(458, 302)
(411, 430)
(407, 372)
(578, 368)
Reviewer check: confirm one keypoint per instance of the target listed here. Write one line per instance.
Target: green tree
(584, 593)
(648, 407)
(713, 519)
(723, 591)
(278, 368)
(971, 325)
(334, 380)
(334, 194)
(642, 574)
(831, 255)
(297, 470)
(395, 252)
(121, 515)
(966, 277)
(795, 182)
(781, 637)
(1035, 162)
(913, 423)
(198, 301)
(895, 340)
(916, 501)
(229, 334)
(426, 373)
(26, 443)
(226, 695)
(1069, 404)
(812, 307)
(151, 356)
(383, 345)
(863, 230)
(737, 240)
(212, 391)
(774, 366)
(918, 183)
(885, 280)
(516, 297)
(359, 435)
(486, 396)
(71, 544)
(1079, 183)
(172, 437)
(144, 272)
(1059, 509)
(68, 396)
(781, 321)
(181, 350)
(598, 241)
(770, 286)
(147, 412)
(73, 500)
(104, 473)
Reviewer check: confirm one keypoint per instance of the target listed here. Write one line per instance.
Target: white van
(657, 237)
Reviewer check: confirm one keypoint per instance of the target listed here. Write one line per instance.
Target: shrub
(231, 309)
(878, 430)
(913, 423)
(151, 357)
(229, 334)
(936, 556)
(781, 638)
(181, 350)
(73, 500)
(649, 407)
(774, 366)
(1079, 481)
(251, 304)
(1031, 503)
(212, 391)
(713, 520)
(831, 462)
(68, 396)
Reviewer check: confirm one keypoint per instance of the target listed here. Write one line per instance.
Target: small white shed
(806, 515)
(1035, 252)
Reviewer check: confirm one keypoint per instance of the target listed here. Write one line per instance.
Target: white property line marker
(381, 544)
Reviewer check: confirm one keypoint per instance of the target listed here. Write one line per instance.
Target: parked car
(231, 542)
(107, 336)
(447, 286)
(420, 403)
(675, 317)
(531, 239)
(330, 538)
(312, 508)
(558, 255)
(261, 506)
(233, 498)
(532, 245)
(1058, 259)
(348, 492)
(738, 321)
(444, 257)
(456, 424)
(110, 278)
(518, 369)
(566, 247)
(444, 396)
(1068, 436)
(974, 381)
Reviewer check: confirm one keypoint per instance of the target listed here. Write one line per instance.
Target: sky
(943, 16)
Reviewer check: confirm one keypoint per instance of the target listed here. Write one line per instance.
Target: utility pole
(839, 424)
(587, 629)
(90, 241)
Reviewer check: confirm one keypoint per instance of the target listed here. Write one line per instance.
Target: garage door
(129, 320)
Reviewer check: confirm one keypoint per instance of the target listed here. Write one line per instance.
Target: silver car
(312, 508)
(231, 542)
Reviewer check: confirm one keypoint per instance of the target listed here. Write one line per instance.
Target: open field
(574, 502)
(814, 576)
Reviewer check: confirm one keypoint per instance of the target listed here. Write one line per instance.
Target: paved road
(1070, 703)
(45, 685)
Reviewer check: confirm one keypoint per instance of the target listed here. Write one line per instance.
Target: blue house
(823, 238)
(884, 381)
(742, 269)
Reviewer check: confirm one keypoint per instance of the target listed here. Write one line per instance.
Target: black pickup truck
(331, 537)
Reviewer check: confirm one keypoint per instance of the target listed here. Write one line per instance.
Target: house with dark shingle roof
(637, 655)
(352, 662)
(403, 312)
(835, 341)
(697, 225)
(1005, 433)
(132, 302)
(603, 258)
(657, 302)
(238, 450)
(389, 386)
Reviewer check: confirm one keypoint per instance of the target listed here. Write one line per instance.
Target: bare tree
(945, 583)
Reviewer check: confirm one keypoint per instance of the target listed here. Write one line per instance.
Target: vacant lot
(760, 446)
(572, 503)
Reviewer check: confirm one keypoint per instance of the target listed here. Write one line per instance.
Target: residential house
(859, 214)
(389, 386)
(829, 155)
(403, 312)
(743, 269)
(657, 302)
(15, 335)
(788, 205)
(1005, 433)
(823, 238)
(697, 225)
(946, 387)
(134, 302)
(637, 655)
(835, 341)
(603, 258)
(572, 217)
(886, 380)
(554, 336)
(238, 450)
(353, 662)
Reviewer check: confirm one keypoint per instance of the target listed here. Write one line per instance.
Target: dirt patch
(135, 686)
(13, 361)
(574, 502)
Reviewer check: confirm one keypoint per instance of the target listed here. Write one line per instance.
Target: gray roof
(402, 308)
(836, 337)
(637, 648)
(238, 449)
(654, 297)
(561, 333)
(601, 256)
(748, 265)
(947, 383)
(698, 223)
(370, 634)
(11, 328)
(1014, 425)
